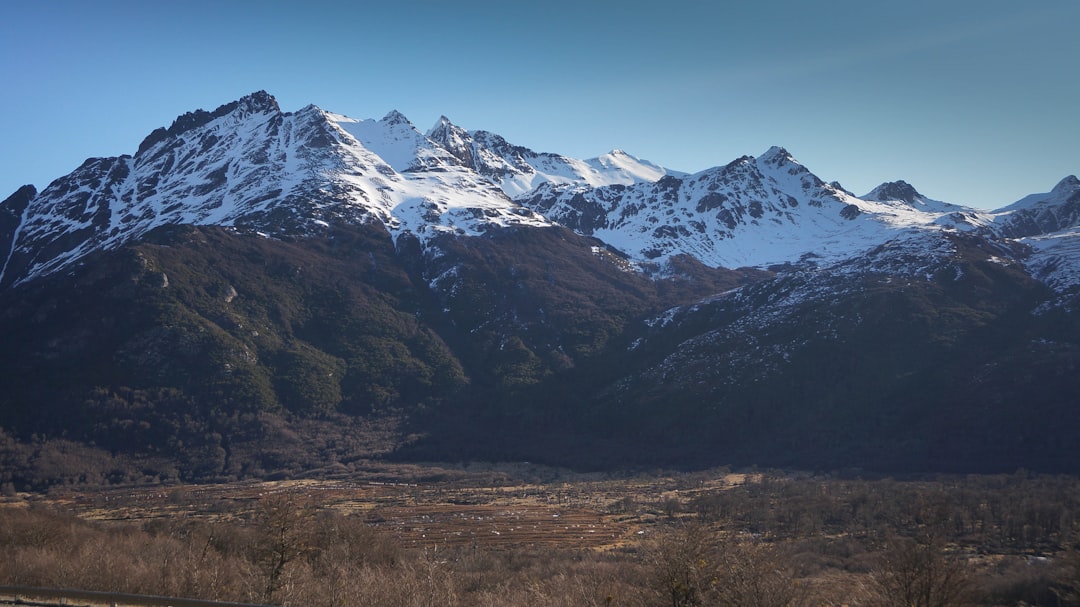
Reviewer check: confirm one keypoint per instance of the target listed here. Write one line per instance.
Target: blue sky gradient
(973, 103)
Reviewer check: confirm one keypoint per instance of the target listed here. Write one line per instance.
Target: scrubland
(529, 536)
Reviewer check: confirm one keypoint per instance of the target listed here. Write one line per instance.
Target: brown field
(487, 508)
(527, 535)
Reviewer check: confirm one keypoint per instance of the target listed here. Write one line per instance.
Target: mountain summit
(895, 190)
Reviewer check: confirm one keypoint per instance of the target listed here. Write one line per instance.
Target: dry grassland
(483, 508)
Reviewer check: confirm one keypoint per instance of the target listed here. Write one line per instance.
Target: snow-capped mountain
(1050, 224)
(247, 267)
(753, 212)
(250, 166)
(1044, 213)
(901, 191)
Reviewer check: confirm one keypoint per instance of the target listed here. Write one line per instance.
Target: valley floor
(528, 535)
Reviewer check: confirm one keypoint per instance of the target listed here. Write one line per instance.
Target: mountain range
(258, 292)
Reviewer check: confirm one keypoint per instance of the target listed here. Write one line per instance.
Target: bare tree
(681, 559)
(285, 520)
(1067, 588)
(756, 575)
(695, 566)
(918, 573)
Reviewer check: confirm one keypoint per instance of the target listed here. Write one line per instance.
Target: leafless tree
(694, 566)
(919, 573)
(285, 520)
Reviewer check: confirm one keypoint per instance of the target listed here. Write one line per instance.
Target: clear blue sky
(972, 102)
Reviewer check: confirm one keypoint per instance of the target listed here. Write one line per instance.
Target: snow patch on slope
(396, 141)
(1055, 259)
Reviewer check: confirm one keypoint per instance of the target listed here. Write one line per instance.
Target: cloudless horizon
(973, 103)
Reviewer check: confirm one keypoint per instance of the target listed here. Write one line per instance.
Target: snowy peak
(1066, 186)
(396, 118)
(780, 165)
(894, 191)
(206, 168)
(442, 130)
(751, 212)
(508, 166)
(615, 158)
(625, 168)
(901, 192)
(776, 157)
(259, 102)
(249, 166)
(397, 142)
(1043, 214)
(445, 132)
(1061, 193)
(442, 123)
(455, 140)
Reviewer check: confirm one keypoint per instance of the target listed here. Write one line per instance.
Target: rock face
(11, 214)
(251, 272)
